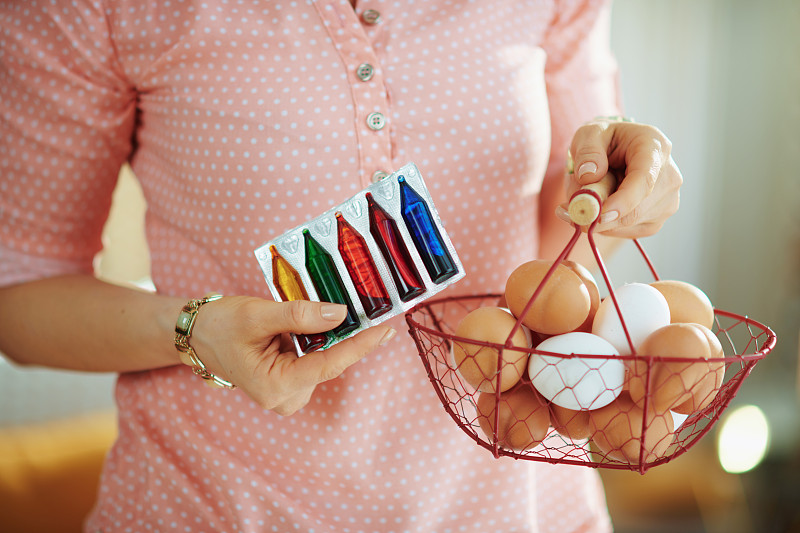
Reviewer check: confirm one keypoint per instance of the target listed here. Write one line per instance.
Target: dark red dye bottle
(383, 229)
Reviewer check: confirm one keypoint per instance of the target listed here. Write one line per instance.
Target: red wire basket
(520, 423)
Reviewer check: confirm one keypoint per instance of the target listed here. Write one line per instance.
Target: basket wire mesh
(495, 420)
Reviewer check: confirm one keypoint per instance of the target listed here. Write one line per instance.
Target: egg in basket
(560, 375)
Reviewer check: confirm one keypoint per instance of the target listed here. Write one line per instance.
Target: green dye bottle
(328, 283)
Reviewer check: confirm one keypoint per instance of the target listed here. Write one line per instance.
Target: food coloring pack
(380, 253)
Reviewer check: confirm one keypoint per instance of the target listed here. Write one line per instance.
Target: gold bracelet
(183, 332)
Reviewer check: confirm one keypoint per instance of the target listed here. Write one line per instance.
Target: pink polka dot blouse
(242, 119)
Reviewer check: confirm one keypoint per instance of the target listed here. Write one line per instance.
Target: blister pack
(380, 253)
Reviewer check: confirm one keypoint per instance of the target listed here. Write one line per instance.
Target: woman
(241, 120)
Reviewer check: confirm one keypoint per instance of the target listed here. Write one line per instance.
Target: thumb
(324, 365)
(303, 316)
(589, 151)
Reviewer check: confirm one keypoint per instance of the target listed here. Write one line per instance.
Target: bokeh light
(743, 439)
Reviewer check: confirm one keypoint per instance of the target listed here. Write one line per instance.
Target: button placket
(353, 40)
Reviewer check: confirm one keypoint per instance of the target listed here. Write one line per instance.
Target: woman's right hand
(245, 340)
(649, 189)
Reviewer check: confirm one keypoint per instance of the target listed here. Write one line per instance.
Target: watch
(183, 332)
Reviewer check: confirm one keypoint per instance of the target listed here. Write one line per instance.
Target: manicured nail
(563, 214)
(389, 335)
(333, 311)
(587, 168)
(609, 216)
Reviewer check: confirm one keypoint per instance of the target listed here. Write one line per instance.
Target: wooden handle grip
(584, 208)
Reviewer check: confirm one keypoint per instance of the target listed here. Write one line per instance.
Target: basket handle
(584, 207)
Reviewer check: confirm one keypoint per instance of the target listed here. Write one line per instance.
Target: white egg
(644, 310)
(578, 383)
(678, 419)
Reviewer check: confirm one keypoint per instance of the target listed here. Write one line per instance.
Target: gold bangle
(183, 332)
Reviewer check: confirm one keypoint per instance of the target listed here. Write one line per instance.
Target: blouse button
(376, 121)
(371, 16)
(365, 71)
(378, 176)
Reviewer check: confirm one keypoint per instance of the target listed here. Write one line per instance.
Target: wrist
(184, 326)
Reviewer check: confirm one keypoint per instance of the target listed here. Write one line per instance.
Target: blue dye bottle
(427, 239)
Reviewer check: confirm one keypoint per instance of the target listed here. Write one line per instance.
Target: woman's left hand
(648, 192)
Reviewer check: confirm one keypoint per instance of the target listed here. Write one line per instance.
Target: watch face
(183, 323)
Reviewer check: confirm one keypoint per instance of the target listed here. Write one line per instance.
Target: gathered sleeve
(581, 73)
(67, 116)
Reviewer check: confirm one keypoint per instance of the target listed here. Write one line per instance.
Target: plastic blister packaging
(381, 252)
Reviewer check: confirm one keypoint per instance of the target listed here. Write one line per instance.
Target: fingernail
(563, 214)
(389, 335)
(609, 216)
(333, 311)
(587, 168)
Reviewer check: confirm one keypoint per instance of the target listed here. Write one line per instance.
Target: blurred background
(721, 78)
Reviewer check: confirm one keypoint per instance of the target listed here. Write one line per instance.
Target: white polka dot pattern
(242, 119)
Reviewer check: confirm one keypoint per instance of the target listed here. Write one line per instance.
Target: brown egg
(480, 365)
(617, 431)
(524, 418)
(704, 392)
(594, 293)
(570, 423)
(686, 302)
(561, 306)
(671, 383)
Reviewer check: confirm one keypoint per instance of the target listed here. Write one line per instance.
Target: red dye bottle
(383, 229)
(369, 286)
